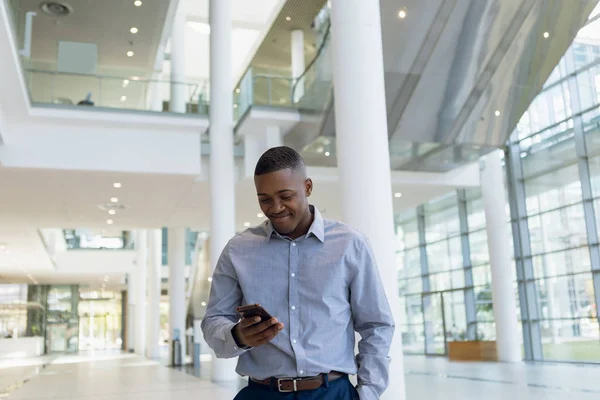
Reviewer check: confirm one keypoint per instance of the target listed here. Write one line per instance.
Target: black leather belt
(288, 385)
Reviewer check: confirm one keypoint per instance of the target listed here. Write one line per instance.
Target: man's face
(283, 198)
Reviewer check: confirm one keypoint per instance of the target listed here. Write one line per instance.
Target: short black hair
(277, 159)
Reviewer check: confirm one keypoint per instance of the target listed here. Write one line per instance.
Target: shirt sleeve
(221, 317)
(374, 322)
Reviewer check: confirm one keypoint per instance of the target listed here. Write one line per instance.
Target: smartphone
(254, 310)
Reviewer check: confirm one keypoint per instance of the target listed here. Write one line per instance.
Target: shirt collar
(317, 228)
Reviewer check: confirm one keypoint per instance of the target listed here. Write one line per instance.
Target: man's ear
(308, 184)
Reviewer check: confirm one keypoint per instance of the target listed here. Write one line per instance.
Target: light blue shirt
(323, 287)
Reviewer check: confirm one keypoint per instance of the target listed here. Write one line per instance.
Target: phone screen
(254, 310)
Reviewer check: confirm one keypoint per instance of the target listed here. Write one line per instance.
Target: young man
(319, 281)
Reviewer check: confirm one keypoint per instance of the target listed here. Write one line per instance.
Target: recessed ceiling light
(123, 98)
(497, 113)
(237, 90)
(397, 195)
(546, 35)
(130, 53)
(137, 3)
(125, 83)
(203, 304)
(114, 199)
(246, 224)
(402, 14)
(117, 185)
(112, 212)
(235, 106)
(288, 18)
(260, 215)
(210, 279)
(110, 221)
(327, 154)
(133, 30)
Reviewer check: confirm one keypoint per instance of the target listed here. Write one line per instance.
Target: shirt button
(293, 274)
(294, 341)
(235, 347)
(293, 307)
(301, 371)
(294, 244)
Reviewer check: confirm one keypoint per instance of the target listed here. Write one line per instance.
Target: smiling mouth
(279, 218)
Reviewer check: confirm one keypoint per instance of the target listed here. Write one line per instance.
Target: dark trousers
(339, 389)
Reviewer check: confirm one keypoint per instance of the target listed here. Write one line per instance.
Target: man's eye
(264, 200)
(286, 198)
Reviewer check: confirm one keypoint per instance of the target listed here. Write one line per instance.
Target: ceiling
(106, 23)
(275, 51)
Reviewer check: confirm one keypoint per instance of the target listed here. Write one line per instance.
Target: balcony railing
(121, 92)
(262, 90)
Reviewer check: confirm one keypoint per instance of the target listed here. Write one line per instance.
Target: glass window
(479, 248)
(594, 167)
(541, 154)
(558, 230)
(571, 340)
(550, 191)
(409, 262)
(482, 275)
(566, 297)
(441, 218)
(407, 230)
(445, 255)
(562, 263)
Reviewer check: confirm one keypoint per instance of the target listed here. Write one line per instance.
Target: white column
(154, 284)
(177, 311)
(141, 244)
(131, 299)
(503, 293)
(362, 149)
(178, 89)
(222, 183)
(298, 63)
(256, 143)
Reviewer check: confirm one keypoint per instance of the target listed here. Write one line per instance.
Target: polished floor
(103, 376)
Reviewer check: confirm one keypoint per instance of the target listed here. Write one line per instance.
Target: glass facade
(552, 165)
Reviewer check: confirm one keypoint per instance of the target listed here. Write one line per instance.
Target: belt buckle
(295, 389)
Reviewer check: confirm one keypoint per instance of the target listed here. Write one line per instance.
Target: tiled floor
(104, 376)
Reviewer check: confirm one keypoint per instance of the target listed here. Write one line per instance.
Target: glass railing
(121, 92)
(312, 90)
(261, 90)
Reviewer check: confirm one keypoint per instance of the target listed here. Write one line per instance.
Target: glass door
(435, 324)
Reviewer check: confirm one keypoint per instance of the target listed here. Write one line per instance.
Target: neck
(304, 225)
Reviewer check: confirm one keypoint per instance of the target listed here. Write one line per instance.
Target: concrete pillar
(141, 244)
(503, 294)
(154, 290)
(131, 299)
(222, 167)
(177, 311)
(178, 88)
(298, 62)
(363, 151)
(255, 144)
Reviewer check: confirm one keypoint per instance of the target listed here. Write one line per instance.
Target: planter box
(472, 351)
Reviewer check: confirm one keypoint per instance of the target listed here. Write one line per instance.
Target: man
(319, 281)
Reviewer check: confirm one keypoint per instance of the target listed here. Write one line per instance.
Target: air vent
(111, 206)
(56, 8)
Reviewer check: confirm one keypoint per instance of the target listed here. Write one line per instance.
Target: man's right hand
(253, 333)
